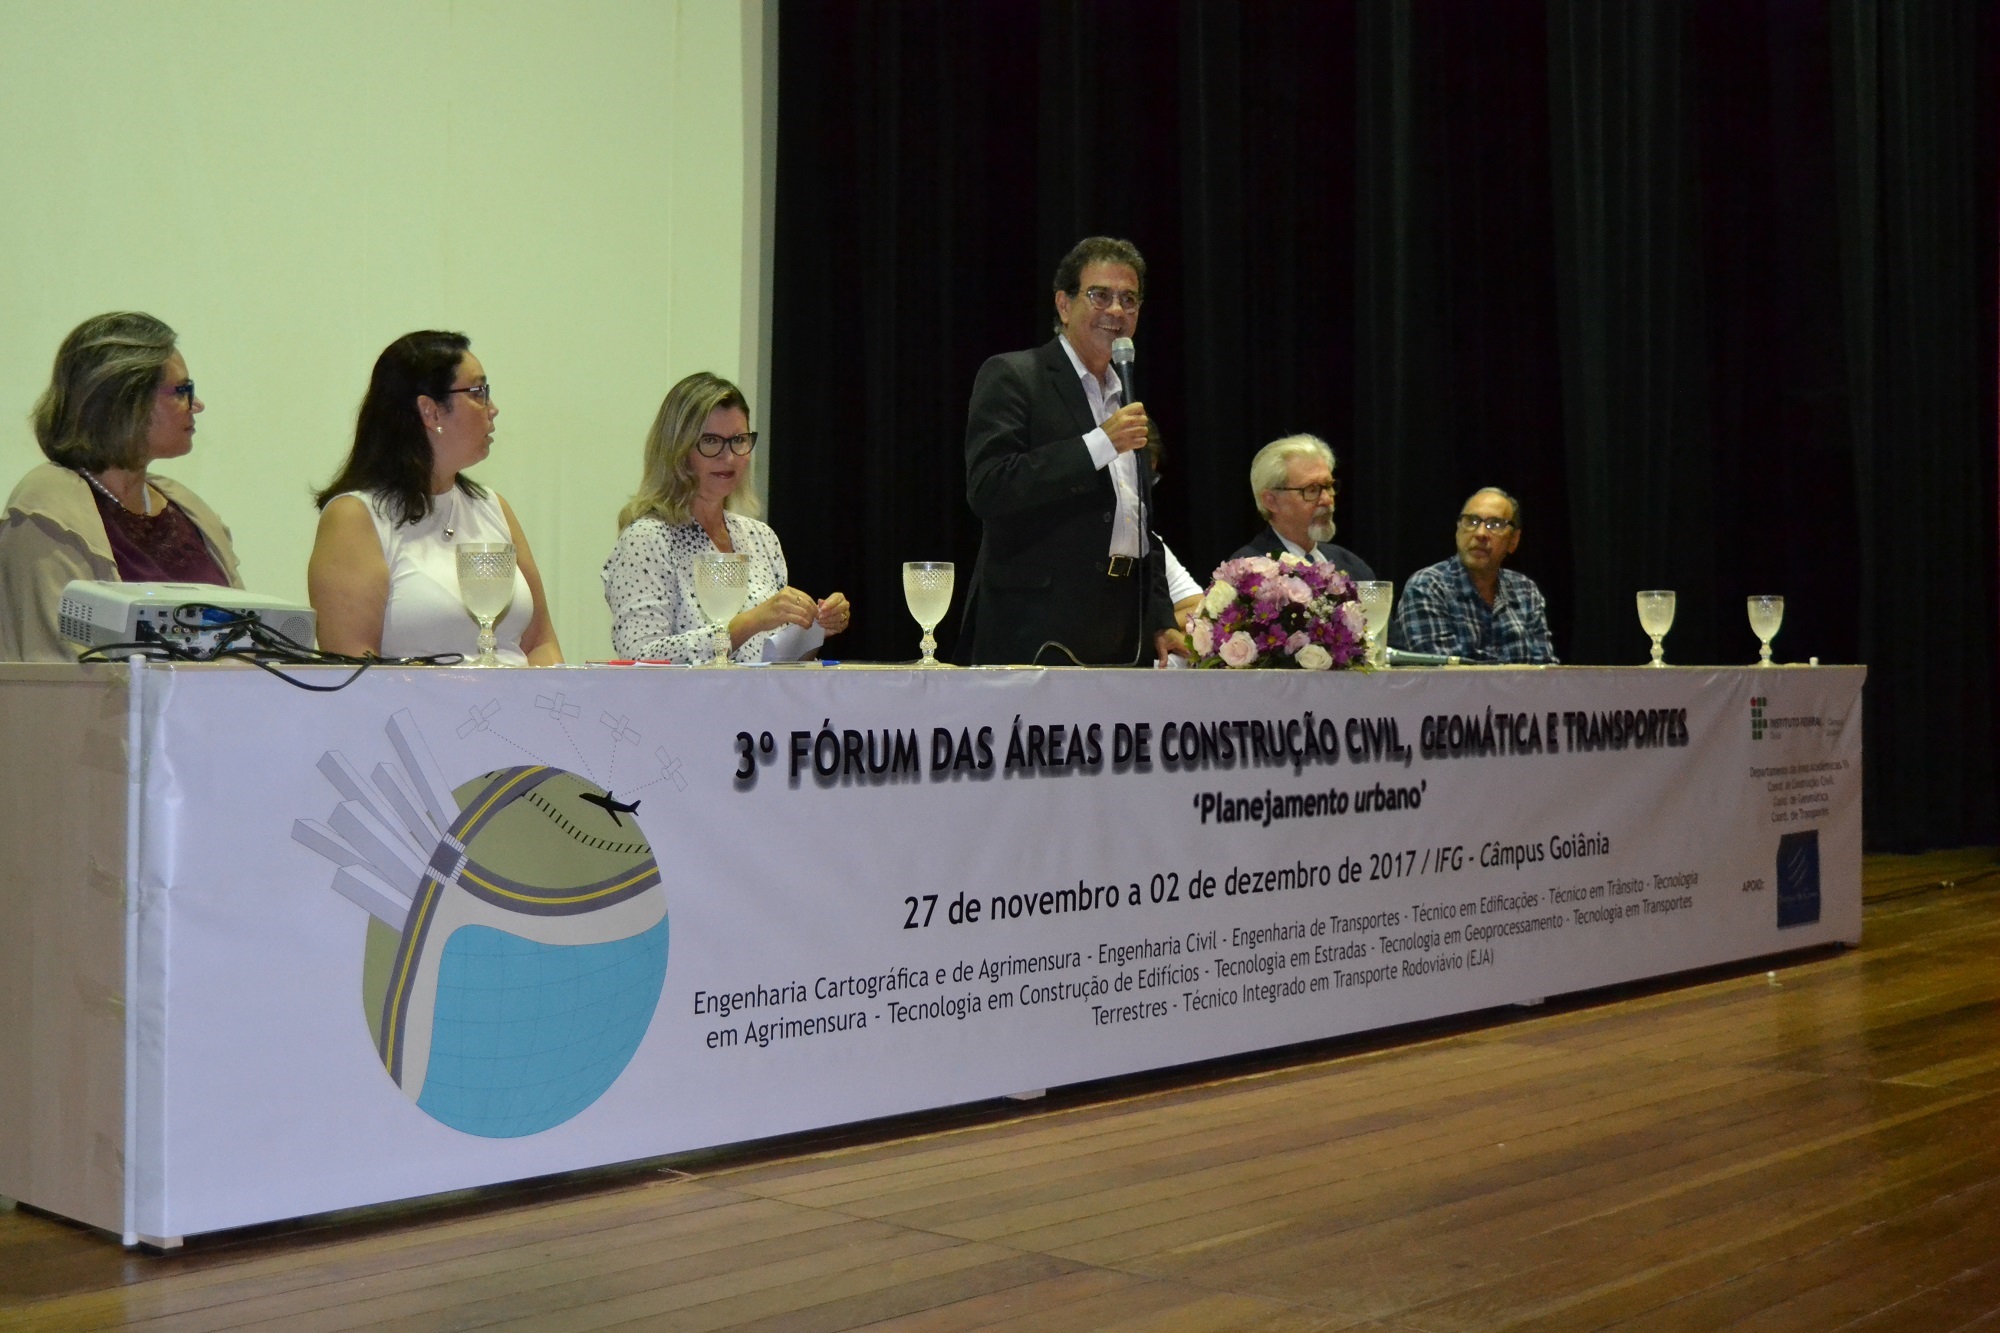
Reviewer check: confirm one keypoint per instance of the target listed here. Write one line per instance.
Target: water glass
(1656, 617)
(1377, 597)
(1767, 612)
(721, 583)
(486, 586)
(927, 590)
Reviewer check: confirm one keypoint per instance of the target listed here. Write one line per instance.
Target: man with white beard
(1292, 480)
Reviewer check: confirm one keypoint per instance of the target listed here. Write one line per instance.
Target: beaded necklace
(145, 494)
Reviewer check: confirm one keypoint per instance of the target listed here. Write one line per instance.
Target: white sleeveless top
(424, 614)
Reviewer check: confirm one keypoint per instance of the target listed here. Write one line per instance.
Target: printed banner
(453, 927)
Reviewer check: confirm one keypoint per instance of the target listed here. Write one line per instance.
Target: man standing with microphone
(1055, 469)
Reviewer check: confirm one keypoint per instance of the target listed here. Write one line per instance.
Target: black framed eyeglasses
(478, 393)
(711, 446)
(1310, 494)
(1100, 298)
(1473, 522)
(185, 392)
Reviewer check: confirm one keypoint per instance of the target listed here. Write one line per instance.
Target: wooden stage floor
(1807, 1148)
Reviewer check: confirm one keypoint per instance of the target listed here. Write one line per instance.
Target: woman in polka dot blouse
(692, 499)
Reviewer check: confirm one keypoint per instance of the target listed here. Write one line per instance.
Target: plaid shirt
(1441, 612)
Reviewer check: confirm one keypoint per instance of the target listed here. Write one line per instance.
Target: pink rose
(1298, 640)
(1357, 623)
(1201, 637)
(1238, 650)
(1296, 590)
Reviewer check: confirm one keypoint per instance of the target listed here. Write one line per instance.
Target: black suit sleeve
(1004, 473)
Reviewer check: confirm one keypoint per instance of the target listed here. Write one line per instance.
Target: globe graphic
(532, 961)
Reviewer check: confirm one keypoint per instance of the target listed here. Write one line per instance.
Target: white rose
(1219, 597)
(1312, 657)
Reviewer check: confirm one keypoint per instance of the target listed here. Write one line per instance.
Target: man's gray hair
(1495, 490)
(1273, 461)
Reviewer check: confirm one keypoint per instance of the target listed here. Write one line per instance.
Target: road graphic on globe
(517, 946)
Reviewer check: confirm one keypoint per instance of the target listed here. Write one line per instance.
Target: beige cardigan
(50, 533)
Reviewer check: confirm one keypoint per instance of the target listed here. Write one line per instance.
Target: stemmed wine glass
(1656, 617)
(486, 586)
(1767, 612)
(927, 589)
(721, 583)
(1377, 596)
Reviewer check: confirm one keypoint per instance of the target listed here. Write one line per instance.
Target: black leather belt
(1120, 566)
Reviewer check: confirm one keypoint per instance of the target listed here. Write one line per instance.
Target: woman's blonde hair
(667, 484)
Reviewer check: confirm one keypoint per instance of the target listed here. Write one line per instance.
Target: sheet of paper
(791, 643)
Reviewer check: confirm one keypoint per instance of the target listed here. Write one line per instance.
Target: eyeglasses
(1100, 298)
(1310, 494)
(185, 392)
(711, 446)
(1473, 522)
(478, 393)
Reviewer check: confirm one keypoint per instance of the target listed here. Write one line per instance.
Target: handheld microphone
(1122, 356)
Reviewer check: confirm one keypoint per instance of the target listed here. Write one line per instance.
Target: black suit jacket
(1268, 542)
(1047, 512)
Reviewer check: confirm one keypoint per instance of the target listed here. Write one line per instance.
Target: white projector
(98, 614)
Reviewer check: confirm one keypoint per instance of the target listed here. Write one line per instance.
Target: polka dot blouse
(649, 584)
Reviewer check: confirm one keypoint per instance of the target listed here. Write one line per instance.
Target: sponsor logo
(516, 945)
(1798, 878)
(1762, 724)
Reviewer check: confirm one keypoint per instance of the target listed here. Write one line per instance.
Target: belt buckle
(1120, 566)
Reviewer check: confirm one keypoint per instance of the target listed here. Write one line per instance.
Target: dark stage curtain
(1708, 284)
(1917, 278)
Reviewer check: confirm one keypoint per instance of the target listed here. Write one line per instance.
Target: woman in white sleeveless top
(384, 570)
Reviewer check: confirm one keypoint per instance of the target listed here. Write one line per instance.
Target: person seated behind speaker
(692, 499)
(1470, 608)
(1292, 482)
(118, 401)
(384, 569)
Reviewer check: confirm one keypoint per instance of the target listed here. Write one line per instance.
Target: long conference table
(270, 953)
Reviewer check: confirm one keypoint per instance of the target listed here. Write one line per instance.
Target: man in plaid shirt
(1469, 607)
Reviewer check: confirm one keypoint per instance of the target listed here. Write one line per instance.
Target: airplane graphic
(612, 806)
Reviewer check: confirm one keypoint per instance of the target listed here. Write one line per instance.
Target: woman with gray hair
(118, 401)
(692, 500)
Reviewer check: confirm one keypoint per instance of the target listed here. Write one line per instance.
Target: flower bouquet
(1287, 612)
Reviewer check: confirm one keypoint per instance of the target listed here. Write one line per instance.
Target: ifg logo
(1757, 705)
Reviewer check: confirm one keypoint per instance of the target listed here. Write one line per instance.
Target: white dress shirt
(1180, 583)
(1105, 397)
(1317, 556)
